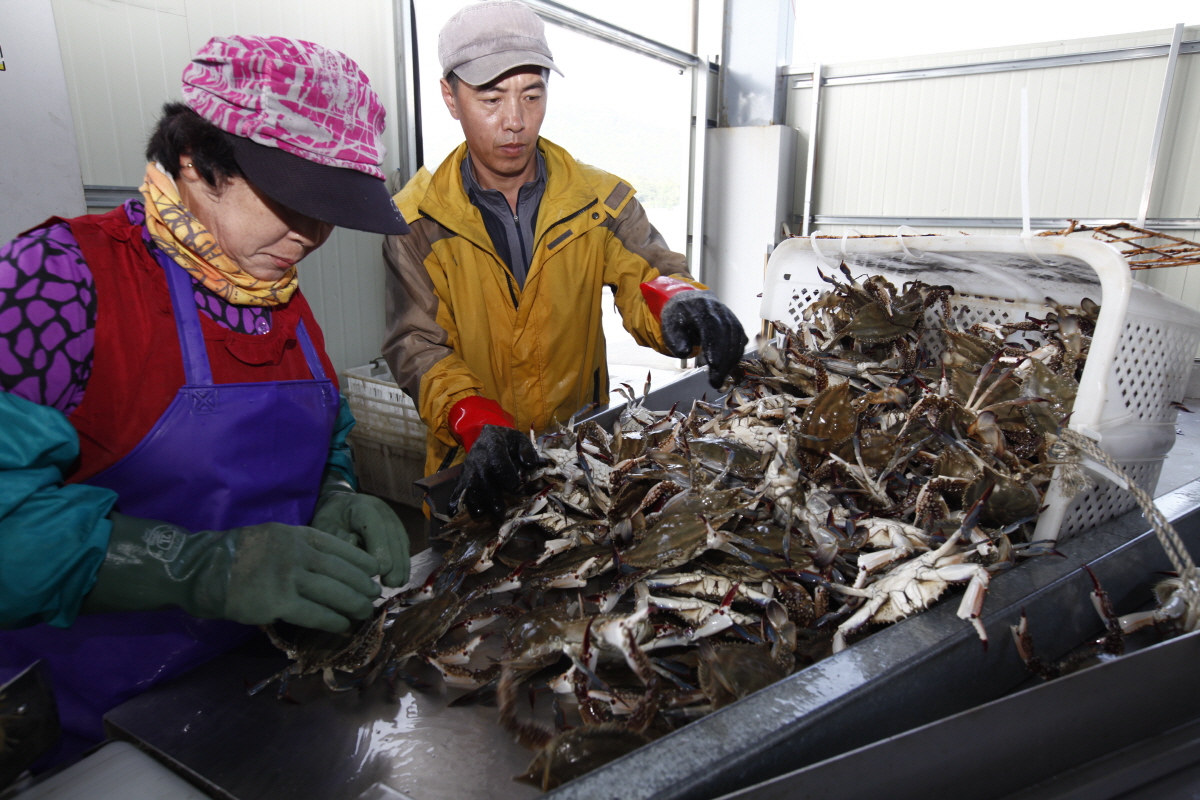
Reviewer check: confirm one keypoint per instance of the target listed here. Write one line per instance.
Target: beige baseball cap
(485, 40)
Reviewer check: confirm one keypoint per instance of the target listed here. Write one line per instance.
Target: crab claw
(971, 518)
(1099, 597)
(1021, 638)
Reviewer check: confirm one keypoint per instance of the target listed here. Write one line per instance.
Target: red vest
(137, 367)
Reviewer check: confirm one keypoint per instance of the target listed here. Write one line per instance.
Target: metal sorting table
(931, 666)
(1055, 740)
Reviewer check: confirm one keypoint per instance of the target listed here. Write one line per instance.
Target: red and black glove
(693, 318)
(497, 454)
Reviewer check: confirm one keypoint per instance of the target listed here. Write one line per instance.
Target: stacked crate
(389, 439)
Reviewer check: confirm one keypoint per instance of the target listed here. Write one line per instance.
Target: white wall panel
(949, 146)
(747, 201)
(1179, 164)
(39, 168)
(124, 59)
(1035, 50)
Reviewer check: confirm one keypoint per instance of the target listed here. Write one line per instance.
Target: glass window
(666, 21)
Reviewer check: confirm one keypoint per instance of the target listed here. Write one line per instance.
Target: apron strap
(310, 352)
(196, 369)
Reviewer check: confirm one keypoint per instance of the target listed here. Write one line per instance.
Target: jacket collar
(568, 191)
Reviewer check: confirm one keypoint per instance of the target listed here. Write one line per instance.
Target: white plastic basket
(379, 404)
(1140, 357)
(385, 469)
(389, 440)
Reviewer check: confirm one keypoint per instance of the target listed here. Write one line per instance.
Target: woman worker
(173, 465)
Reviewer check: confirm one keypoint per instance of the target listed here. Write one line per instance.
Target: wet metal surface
(918, 671)
(1042, 742)
(329, 746)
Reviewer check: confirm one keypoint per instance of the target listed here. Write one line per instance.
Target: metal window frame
(804, 79)
(588, 25)
(810, 170)
(408, 110)
(1160, 123)
(1043, 223)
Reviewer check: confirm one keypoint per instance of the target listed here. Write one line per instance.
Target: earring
(189, 164)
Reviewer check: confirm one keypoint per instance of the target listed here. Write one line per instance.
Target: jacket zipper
(567, 218)
(507, 276)
(508, 280)
(524, 250)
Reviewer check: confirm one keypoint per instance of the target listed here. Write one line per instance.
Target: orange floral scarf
(190, 245)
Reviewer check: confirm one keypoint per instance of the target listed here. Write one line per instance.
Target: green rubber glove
(367, 521)
(254, 575)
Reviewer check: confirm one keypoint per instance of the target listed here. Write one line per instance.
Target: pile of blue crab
(859, 467)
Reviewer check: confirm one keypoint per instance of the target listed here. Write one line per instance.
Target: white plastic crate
(1140, 357)
(379, 404)
(386, 469)
(389, 440)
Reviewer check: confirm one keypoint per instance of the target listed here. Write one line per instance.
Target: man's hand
(493, 470)
(698, 319)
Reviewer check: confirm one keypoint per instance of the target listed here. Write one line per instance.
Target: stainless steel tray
(919, 670)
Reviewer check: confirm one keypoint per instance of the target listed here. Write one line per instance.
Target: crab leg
(972, 602)
(856, 621)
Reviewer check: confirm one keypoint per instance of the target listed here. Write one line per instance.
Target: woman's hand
(368, 521)
(255, 575)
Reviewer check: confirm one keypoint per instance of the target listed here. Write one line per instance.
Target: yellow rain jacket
(459, 324)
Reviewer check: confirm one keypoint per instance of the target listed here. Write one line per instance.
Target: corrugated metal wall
(949, 146)
(123, 60)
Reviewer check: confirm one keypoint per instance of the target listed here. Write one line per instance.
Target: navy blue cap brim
(337, 195)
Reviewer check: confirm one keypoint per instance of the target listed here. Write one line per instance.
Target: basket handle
(901, 232)
(812, 239)
(1027, 240)
(846, 235)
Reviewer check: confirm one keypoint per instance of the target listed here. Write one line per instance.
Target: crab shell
(579, 751)
(919, 592)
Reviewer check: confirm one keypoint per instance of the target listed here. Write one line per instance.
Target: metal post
(1160, 125)
(809, 175)
(695, 239)
(408, 159)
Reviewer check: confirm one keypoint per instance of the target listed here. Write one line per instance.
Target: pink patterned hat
(305, 124)
(303, 98)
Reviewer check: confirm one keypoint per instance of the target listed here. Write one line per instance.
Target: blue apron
(221, 456)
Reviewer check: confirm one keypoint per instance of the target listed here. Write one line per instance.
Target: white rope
(1181, 560)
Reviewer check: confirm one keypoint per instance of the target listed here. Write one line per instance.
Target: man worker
(494, 298)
